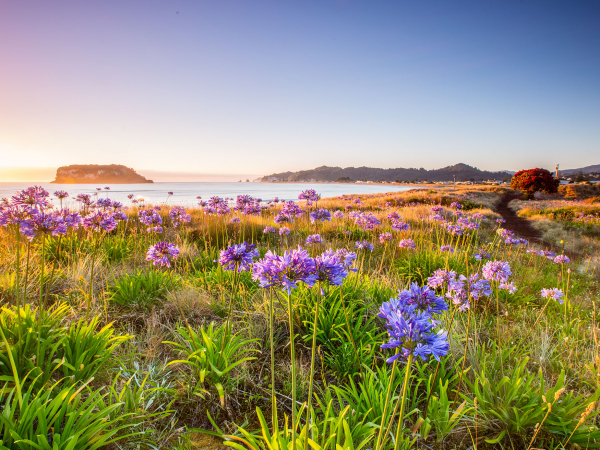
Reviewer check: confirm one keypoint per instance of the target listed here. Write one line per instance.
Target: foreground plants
(381, 322)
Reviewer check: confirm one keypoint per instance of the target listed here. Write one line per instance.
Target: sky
(227, 89)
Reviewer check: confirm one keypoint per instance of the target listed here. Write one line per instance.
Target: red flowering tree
(534, 180)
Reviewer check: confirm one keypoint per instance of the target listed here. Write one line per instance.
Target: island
(95, 174)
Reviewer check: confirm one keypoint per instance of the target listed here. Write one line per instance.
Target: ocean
(185, 194)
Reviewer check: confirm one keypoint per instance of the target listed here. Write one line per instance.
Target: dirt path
(519, 225)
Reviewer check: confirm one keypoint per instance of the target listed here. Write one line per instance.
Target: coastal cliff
(94, 174)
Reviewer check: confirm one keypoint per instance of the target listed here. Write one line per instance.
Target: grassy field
(247, 325)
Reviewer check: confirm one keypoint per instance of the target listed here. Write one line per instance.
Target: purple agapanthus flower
(482, 254)
(61, 194)
(291, 210)
(310, 195)
(42, 223)
(285, 270)
(346, 257)
(510, 287)
(364, 245)
(119, 216)
(152, 219)
(407, 243)
(179, 215)
(338, 214)
(462, 290)
(314, 239)
(562, 259)
(320, 215)
(423, 298)
(235, 220)
(385, 237)
(447, 248)
(496, 271)
(441, 278)
(500, 221)
(99, 220)
(413, 333)
(32, 197)
(329, 270)
(238, 257)
(284, 231)
(162, 253)
(437, 208)
(553, 293)
(400, 226)
(268, 230)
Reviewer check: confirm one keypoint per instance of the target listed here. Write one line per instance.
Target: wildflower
(393, 216)
(235, 220)
(285, 270)
(510, 287)
(478, 216)
(562, 259)
(553, 293)
(385, 237)
(71, 219)
(482, 254)
(152, 219)
(42, 223)
(500, 221)
(412, 333)
(119, 216)
(366, 221)
(238, 257)
(314, 239)
(455, 230)
(400, 226)
(99, 221)
(107, 188)
(61, 194)
(338, 214)
(329, 270)
(320, 215)
(346, 257)
(437, 209)
(282, 218)
(436, 217)
(423, 298)
(463, 289)
(447, 248)
(310, 195)
(162, 253)
(291, 210)
(179, 215)
(456, 205)
(269, 230)
(364, 245)
(496, 271)
(169, 193)
(440, 278)
(407, 243)
(130, 196)
(284, 231)
(33, 197)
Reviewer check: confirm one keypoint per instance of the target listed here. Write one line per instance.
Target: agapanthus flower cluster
(338, 214)
(71, 219)
(456, 205)
(462, 290)
(346, 257)
(291, 210)
(441, 278)
(454, 229)
(320, 215)
(407, 243)
(398, 225)
(286, 270)
(32, 197)
(422, 298)
(545, 253)
(248, 205)
(412, 333)
(84, 199)
(99, 221)
(366, 221)
(61, 194)
(238, 257)
(364, 245)
(284, 231)
(268, 230)
(235, 220)
(282, 218)
(314, 239)
(310, 195)
(51, 224)
(385, 237)
(162, 253)
(553, 293)
(179, 215)
(562, 259)
(482, 254)
(496, 271)
(329, 270)
(217, 205)
(152, 219)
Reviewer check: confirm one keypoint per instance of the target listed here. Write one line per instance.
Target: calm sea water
(185, 193)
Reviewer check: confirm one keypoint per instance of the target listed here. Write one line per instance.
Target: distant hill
(325, 173)
(96, 174)
(586, 169)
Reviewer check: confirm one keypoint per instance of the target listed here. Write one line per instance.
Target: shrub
(534, 180)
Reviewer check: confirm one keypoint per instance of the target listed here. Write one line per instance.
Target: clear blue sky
(254, 87)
